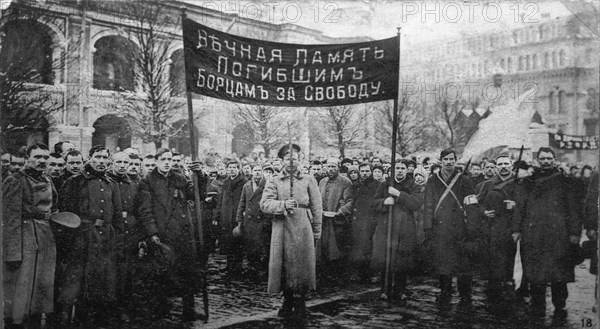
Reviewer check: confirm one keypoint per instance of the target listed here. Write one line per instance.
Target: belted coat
(293, 234)
(90, 265)
(28, 243)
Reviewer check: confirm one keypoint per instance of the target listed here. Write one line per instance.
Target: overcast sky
(424, 20)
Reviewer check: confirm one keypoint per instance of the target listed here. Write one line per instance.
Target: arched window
(509, 66)
(26, 52)
(502, 64)
(546, 60)
(561, 102)
(527, 62)
(114, 64)
(534, 62)
(177, 73)
(554, 64)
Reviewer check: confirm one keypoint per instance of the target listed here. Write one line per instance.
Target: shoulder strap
(448, 191)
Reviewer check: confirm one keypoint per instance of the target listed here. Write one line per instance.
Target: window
(546, 60)
(521, 63)
(541, 30)
(113, 64)
(562, 58)
(534, 62)
(502, 64)
(509, 66)
(554, 64)
(588, 56)
(528, 63)
(561, 102)
(551, 108)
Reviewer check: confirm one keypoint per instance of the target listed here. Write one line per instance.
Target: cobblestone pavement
(245, 304)
(422, 311)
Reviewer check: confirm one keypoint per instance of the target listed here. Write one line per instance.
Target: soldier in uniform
(28, 243)
(90, 276)
(296, 226)
(127, 231)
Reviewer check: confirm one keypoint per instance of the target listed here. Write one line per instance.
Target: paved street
(245, 305)
(422, 311)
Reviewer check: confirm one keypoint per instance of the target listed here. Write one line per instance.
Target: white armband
(470, 199)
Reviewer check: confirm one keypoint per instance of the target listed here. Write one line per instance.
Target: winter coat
(226, 210)
(128, 231)
(499, 248)
(452, 231)
(28, 241)
(163, 210)
(404, 243)
(90, 271)
(293, 234)
(254, 221)
(547, 214)
(362, 219)
(332, 243)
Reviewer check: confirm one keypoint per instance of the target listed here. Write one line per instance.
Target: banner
(572, 142)
(254, 71)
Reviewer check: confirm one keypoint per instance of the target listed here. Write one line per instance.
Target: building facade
(82, 51)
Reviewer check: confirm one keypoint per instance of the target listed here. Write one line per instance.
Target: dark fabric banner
(573, 142)
(253, 71)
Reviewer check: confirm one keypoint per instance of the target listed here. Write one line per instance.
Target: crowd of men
(293, 226)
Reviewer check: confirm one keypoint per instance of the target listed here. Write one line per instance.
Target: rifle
(516, 169)
(290, 149)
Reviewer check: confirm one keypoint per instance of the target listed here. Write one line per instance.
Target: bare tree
(346, 126)
(27, 100)
(411, 123)
(450, 124)
(152, 109)
(267, 123)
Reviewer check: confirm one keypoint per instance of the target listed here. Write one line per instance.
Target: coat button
(101, 200)
(101, 190)
(101, 210)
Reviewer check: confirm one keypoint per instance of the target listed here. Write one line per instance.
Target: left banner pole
(193, 144)
(387, 283)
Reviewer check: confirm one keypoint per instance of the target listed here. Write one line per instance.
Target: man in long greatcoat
(451, 215)
(362, 221)
(333, 246)
(296, 226)
(226, 210)
(163, 210)
(547, 221)
(252, 222)
(128, 232)
(90, 275)
(28, 243)
(497, 200)
(407, 198)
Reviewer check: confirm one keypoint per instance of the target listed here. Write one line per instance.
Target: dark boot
(465, 287)
(287, 308)
(446, 288)
(538, 300)
(189, 310)
(300, 311)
